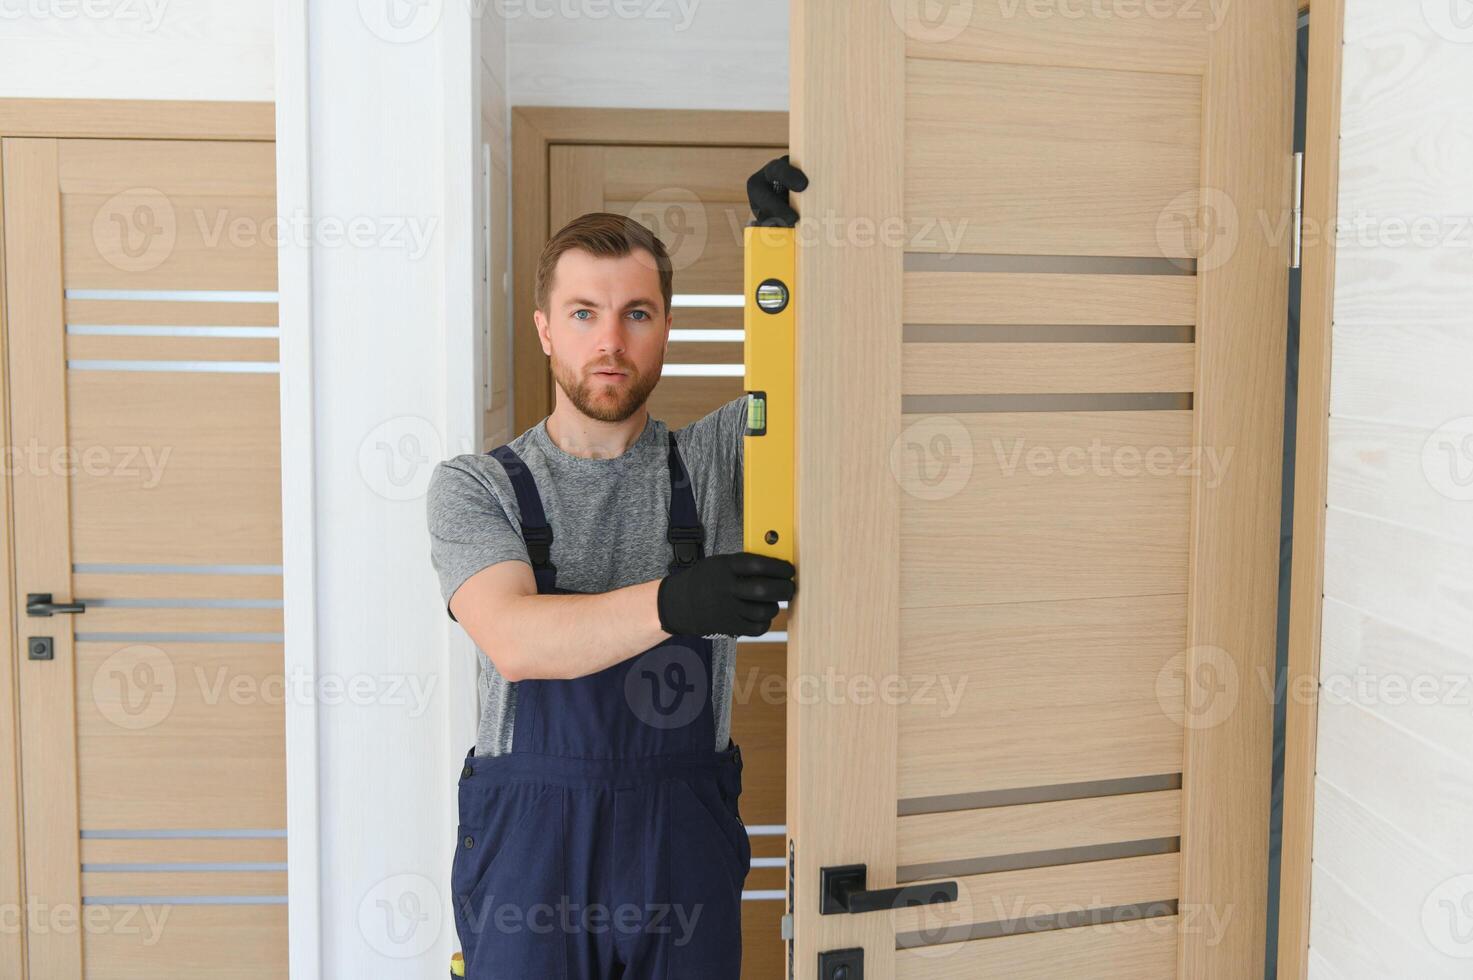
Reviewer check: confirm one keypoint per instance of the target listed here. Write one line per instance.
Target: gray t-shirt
(608, 518)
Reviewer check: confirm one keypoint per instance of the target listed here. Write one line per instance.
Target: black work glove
(767, 192)
(731, 595)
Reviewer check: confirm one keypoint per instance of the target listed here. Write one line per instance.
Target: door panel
(141, 318)
(1037, 481)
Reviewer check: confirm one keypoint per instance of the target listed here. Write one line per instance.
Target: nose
(612, 339)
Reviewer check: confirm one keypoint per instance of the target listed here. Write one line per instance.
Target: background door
(1040, 367)
(140, 327)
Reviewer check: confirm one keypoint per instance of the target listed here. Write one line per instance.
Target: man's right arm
(528, 635)
(491, 591)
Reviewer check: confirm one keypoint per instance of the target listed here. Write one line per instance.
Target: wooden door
(695, 199)
(1040, 353)
(140, 317)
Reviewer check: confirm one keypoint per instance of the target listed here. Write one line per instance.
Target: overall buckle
(687, 542)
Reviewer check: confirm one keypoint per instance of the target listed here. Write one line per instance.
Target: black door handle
(841, 889)
(40, 604)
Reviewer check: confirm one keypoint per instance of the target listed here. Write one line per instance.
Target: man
(595, 560)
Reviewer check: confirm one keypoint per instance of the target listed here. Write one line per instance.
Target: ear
(539, 319)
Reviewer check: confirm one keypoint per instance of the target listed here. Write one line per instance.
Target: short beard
(581, 391)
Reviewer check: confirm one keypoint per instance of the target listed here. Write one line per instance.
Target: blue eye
(578, 314)
(640, 313)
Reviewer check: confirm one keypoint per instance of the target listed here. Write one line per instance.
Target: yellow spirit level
(769, 266)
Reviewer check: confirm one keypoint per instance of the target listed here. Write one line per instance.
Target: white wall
(136, 49)
(1392, 892)
(383, 352)
(672, 54)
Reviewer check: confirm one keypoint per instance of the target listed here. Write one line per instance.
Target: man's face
(605, 330)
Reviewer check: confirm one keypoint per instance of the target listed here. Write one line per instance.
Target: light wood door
(1041, 297)
(695, 199)
(140, 315)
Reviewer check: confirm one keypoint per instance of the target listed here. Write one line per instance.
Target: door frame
(72, 119)
(1311, 478)
(534, 131)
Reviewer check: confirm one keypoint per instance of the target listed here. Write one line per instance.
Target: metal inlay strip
(184, 900)
(167, 866)
(188, 603)
(1101, 402)
(180, 834)
(1038, 794)
(1113, 265)
(179, 637)
(125, 568)
(134, 330)
(207, 367)
(1033, 921)
(176, 295)
(1036, 859)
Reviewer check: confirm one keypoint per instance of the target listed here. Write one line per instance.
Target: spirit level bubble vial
(769, 318)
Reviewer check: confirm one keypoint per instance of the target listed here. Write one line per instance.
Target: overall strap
(535, 529)
(686, 533)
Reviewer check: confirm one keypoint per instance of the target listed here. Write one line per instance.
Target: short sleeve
(469, 527)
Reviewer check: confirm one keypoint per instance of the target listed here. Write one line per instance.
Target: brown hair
(607, 235)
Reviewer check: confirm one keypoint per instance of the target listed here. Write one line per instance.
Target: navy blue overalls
(607, 842)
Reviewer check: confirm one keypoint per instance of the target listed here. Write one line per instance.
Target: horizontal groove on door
(1022, 894)
(184, 603)
(155, 637)
(961, 835)
(1096, 265)
(192, 367)
(1041, 368)
(183, 899)
(175, 295)
(1141, 950)
(1029, 860)
(1070, 919)
(168, 330)
(1037, 794)
(955, 404)
(157, 568)
(1046, 297)
(1051, 333)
